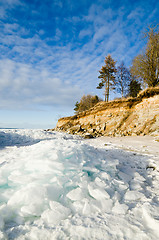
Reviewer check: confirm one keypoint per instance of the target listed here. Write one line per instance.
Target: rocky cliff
(139, 116)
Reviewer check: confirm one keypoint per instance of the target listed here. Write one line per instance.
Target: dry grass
(149, 92)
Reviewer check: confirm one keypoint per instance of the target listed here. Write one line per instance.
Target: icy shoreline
(143, 144)
(59, 186)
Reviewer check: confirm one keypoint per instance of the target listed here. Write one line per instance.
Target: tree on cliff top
(107, 76)
(145, 66)
(86, 102)
(134, 88)
(123, 78)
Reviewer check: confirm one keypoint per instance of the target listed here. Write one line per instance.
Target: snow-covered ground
(58, 186)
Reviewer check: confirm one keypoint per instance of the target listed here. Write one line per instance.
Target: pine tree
(107, 76)
(134, 88)
(76, 107)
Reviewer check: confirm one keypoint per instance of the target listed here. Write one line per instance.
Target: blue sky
(52, 51)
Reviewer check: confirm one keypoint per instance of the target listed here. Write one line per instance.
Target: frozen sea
(58, 186)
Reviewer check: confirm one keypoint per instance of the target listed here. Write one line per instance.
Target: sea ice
(58, 186)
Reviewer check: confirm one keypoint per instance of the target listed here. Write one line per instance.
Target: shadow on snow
(15, 139)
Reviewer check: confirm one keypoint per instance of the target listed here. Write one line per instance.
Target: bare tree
(123, 78)
(146, 65)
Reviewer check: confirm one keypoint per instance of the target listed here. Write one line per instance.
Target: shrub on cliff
(134, 88)
(149, 92)
(86, 102)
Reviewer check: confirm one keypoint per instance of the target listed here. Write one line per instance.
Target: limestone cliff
(139, 116)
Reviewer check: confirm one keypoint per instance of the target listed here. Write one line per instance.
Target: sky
(51, 52)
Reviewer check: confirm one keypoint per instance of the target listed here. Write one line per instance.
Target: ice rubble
(58, 186)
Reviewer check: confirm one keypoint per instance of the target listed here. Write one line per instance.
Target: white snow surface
(58, 186)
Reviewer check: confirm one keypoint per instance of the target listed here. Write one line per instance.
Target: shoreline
(140, 144)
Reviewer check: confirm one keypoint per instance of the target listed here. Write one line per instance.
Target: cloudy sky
(51, 52)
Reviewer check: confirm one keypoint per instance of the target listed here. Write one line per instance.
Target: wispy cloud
(7, 5)
(43, 69)
(25, 86)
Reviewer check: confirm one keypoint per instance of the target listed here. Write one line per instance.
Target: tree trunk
(108, 90)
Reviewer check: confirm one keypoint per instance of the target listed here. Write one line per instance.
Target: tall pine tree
(107, 76)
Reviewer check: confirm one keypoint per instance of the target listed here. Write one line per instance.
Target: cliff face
(115, 118)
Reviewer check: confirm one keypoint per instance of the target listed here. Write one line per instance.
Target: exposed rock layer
(115, 118)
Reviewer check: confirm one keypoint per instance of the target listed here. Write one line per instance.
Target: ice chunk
(6, 214)
(125, 177)
(56, 205)
(78, 207)
(106, 205)
(117, 196)
(54, 192)
(138, 177)
(120, 185)
(7, 194)
(150, 222)
(99, 182)
(105, 176)
(134, 195)
(34, 209)
(120, 208)
(135, 185)
(54, 215)
(51, 217)
(98, 193)
(33, 193)
(29, 200)
(87, 206)
(75, 194)
(18, 178)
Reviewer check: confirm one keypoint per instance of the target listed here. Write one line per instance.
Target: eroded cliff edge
(139, 116)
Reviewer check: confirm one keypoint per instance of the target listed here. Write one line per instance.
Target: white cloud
(39, 73)
(85, 32)
(6, 5)
(58, 34)
(21, 85)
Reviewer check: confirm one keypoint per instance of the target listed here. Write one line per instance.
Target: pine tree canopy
(107, 76)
